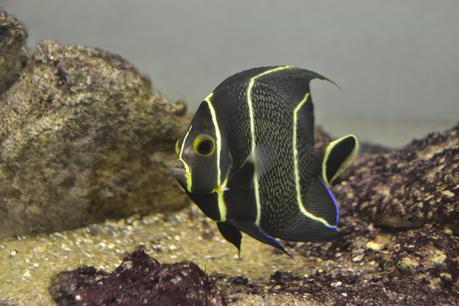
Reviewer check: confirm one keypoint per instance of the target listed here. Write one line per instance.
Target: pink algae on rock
(139, 280)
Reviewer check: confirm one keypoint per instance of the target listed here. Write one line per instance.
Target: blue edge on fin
(275, 242)
(332, 196)
(256, 232)
(271, 238)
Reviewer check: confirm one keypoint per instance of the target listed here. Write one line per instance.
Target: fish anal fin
(317, 219)
(251, 229)
(302, 228)
(339, 154)
(231, 234)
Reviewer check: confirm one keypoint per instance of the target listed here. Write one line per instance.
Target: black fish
(248, 159)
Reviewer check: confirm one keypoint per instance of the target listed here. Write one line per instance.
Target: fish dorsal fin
(338, 156)
(291, 87)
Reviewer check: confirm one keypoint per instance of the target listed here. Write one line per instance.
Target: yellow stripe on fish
(252, 133)
(296, 171)
(220, 187)
(189, 180)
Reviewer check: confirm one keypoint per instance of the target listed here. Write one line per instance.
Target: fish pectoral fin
(262, 160)
(256, 232)
(231, 234)
(243, 177)
(338, 156)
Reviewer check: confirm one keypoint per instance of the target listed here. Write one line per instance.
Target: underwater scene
(229, 153)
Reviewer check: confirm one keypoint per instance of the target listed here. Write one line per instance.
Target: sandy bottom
(28, 264)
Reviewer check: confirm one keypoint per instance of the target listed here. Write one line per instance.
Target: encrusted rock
(417, 267)
(83, 138)
(13, 52)
(407, 264)
(322, 138)
(409, 187)
(139, 280)
(428, 252)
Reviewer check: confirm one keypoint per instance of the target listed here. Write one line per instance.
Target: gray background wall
(397, 61)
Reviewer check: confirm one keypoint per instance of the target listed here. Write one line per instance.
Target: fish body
(248, 159)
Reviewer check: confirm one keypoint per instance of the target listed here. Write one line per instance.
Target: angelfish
(248, 160)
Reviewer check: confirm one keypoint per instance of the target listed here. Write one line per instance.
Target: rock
(375, 246)
(407, 187)
(83, 138)
(322, 273)
(7, 303)
(139, 280)
(418, 267)
(428, 252)
(322, 139)
(13, 53)
(407, 265)
(180, 108)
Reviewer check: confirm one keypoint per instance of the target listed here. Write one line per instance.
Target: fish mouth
(183, 177)
(178, 172)
(180, 175)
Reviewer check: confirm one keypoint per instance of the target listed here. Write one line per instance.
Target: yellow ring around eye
(177, 146)
(204, 145)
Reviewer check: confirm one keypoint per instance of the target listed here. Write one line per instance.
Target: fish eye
(177, 146)
(204, 145)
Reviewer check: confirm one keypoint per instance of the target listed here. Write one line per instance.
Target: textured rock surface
(82, 138)
(366, 265)
(408, 187)
(139, 280)
(369, 267)
(13, 52)
(28, 264)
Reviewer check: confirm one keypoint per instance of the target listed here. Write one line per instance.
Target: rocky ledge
(83, 137)
(409, 187)
(13, 55)
(138, 280)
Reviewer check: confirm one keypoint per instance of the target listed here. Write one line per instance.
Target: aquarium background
(396, 62)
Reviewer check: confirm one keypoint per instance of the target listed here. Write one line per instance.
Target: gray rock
(407, 187)
(13, 52)
(83, 138)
